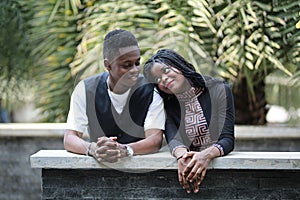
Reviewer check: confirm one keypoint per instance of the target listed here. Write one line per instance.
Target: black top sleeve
(174, 124)
(225, 110)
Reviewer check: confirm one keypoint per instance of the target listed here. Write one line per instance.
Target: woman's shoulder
(216, 86)
(214, 82)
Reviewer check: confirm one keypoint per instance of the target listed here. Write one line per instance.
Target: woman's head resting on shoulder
(171, 72)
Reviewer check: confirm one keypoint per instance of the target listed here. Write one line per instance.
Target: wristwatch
(129, 150)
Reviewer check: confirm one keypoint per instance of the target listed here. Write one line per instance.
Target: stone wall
(239, 175)
(18, 180)
(267, 138)
(19, 141)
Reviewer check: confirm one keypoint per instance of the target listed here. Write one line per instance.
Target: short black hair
(115, 40)
(173, 59)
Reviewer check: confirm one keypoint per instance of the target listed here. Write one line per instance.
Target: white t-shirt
(77, 119)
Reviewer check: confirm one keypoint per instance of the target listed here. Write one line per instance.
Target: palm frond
(14, 54)
(53, 33)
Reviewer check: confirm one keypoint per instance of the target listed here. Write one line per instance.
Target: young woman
(200, 115)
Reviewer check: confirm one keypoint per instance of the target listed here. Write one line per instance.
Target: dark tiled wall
(163, 184)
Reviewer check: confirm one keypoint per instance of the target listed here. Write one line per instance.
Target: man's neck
(116, 88)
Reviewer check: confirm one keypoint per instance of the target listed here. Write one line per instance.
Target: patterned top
(195, 122)
(215, 102)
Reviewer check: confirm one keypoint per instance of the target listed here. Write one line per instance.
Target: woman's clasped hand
(192, 168)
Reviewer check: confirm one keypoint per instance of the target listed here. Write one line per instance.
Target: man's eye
(127, 65)
(137, 63)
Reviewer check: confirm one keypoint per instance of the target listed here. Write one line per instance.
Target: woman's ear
(107, 65)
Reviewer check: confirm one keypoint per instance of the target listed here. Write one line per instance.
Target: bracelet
(180, 146)
(220, 148)
(87, 153)
(129, 150)
(179, 157)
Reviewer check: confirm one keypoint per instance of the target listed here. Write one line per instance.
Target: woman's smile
(169, 84)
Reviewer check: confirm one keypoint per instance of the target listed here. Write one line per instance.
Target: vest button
(119, 135)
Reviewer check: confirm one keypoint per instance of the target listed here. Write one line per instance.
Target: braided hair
(173, 59)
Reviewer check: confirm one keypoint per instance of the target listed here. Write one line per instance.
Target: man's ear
(106, 64)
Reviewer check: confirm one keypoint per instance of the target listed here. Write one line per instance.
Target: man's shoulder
(142, 87)
(95, 78)
(92, 82)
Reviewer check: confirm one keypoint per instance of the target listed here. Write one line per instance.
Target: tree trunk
(250, 111)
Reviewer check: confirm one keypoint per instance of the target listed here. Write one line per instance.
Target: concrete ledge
(61, 159)
(266, 132)
(58, 129)
(32, 129)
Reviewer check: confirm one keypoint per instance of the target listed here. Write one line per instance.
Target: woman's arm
(221, 124)
(226, 118)
(196, 168)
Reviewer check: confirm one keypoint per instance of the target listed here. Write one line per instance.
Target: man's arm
(151, 143)
(73, 142)
(77, 122)
(104, 150)
(153, 126)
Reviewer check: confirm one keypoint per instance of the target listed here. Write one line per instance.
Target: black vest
(104, 120)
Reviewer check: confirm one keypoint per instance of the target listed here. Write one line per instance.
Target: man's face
(124, 70)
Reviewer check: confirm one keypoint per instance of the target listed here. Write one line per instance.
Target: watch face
(129, 150)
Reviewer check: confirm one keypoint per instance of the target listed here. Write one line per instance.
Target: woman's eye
(166, 70)
(157, 80)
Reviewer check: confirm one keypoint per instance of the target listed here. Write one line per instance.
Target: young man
(122, 114)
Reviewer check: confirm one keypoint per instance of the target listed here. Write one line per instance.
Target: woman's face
(169, 79)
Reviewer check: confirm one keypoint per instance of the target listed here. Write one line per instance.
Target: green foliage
(14, 60)
(52, 35)
(156, 24)
(234, 39)
(254, 39)
(98, 18)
